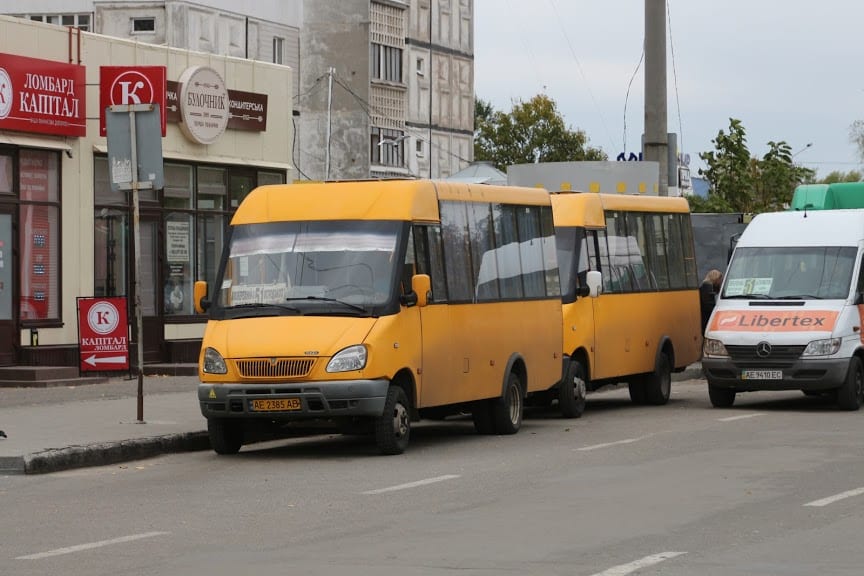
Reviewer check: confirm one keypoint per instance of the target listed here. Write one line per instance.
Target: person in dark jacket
(708, 291)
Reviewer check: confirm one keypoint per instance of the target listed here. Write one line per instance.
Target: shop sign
(203, 104)
(246, 110)
(125, 85)
(103, 331)
(42, 96)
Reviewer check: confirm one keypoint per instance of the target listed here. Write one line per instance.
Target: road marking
(835, 498)
(608, 444)
(645, 562)
(91, 545)
(741, 417)
(413, 484)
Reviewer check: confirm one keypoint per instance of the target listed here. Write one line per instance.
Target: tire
(721, 397)
(226, 436)
(851, 393)
(571, 392)
(481, 414)
(393, 427)
(658, 385)
(507, 410)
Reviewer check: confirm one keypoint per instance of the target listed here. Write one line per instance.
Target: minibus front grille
(778, 353)
(274, 367)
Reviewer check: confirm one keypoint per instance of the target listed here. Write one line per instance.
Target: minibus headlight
(351, 358)
(711, 347)
(214, 363)
(827, 347)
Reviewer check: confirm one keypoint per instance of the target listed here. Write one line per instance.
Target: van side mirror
(199, 296)
(421, 285)
(594, 279)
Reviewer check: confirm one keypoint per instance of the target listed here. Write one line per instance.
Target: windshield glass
(790, 273)
(328, 267)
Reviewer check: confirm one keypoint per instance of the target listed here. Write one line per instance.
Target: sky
(789, 70)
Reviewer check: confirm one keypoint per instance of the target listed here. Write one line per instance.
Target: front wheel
(393, 427)
(849, 396)
(571, 392)
(507, 411)
(226, 436)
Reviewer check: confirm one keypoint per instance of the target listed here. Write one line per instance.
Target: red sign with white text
(124, 85)
(103, 334)
(42, 96)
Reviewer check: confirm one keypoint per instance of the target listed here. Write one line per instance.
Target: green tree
(532, 130)
(837, 176)
(744, 183)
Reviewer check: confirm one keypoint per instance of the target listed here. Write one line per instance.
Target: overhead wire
(675, 77)
(627, 96)
(581, 71)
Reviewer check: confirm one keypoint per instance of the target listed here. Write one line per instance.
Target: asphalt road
(773, 486)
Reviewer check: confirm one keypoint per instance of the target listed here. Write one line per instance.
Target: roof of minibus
(805, 228)
(407, 200)
(586, 208)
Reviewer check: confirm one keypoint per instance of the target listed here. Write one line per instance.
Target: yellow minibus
(377, 303)
(630, 290)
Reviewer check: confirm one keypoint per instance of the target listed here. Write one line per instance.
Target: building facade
(65, 233)
(386, 89)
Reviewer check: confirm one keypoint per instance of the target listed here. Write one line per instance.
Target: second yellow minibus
(377, 303)
(629, 290)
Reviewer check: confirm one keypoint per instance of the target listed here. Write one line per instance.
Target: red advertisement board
(42, 96)
(124, 85)
(103, 334)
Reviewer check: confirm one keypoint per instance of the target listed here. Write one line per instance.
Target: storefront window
(111, 249)
(178, 186)
(6, 175)
(39, 234)
(240, 184)
(265, 178)
(211, 188)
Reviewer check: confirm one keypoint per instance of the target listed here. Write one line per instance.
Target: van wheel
(507, 411)
(393, 427)
(571, 392)
(658, 384)
(721, 397)
(226, 436)
(636, 388)
(849, 396)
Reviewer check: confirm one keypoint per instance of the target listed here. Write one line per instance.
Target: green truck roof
(828, 196)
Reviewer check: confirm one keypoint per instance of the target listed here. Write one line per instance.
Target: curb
(103, 453)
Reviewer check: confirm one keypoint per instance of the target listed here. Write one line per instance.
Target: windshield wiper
(748, 297)
(800, 297)
(324, 299)
(250, 305)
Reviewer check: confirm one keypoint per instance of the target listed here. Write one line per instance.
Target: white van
(790, 312)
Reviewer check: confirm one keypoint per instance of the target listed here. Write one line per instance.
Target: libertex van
(790, 311)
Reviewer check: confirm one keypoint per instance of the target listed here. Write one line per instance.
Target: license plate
(762, 375)
(275, 405)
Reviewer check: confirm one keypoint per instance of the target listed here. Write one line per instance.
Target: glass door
(8, 337)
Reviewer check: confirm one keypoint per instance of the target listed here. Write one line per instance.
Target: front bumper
(325, 399)
(802, 374)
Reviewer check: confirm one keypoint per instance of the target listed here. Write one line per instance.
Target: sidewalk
(64, 427)
(59, 428)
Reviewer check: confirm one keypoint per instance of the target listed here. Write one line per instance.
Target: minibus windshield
(310, 268)
(790, 273)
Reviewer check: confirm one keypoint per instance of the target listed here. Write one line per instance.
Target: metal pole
(136, 239)
(330, 72)
(656, 145)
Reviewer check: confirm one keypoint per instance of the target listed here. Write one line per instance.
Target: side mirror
(199, 295)
(421, 284)
(594, 279)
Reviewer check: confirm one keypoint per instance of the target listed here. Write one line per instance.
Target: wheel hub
(400, 421)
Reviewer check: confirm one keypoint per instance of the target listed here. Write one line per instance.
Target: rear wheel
(507, 411)
(637, 390)
(226, 436)
(851, 394)
(571, 392)
(393, 428)
(658, 384)
(721, 397)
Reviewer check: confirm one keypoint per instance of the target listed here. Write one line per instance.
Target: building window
(144, 25)
(386, 63)
(39, 235)
(419, 148)
(278, 50)
(81, 21)
(421, 67)
(388, 147)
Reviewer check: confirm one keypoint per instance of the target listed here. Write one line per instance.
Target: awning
(103, 149)
(32, 141)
